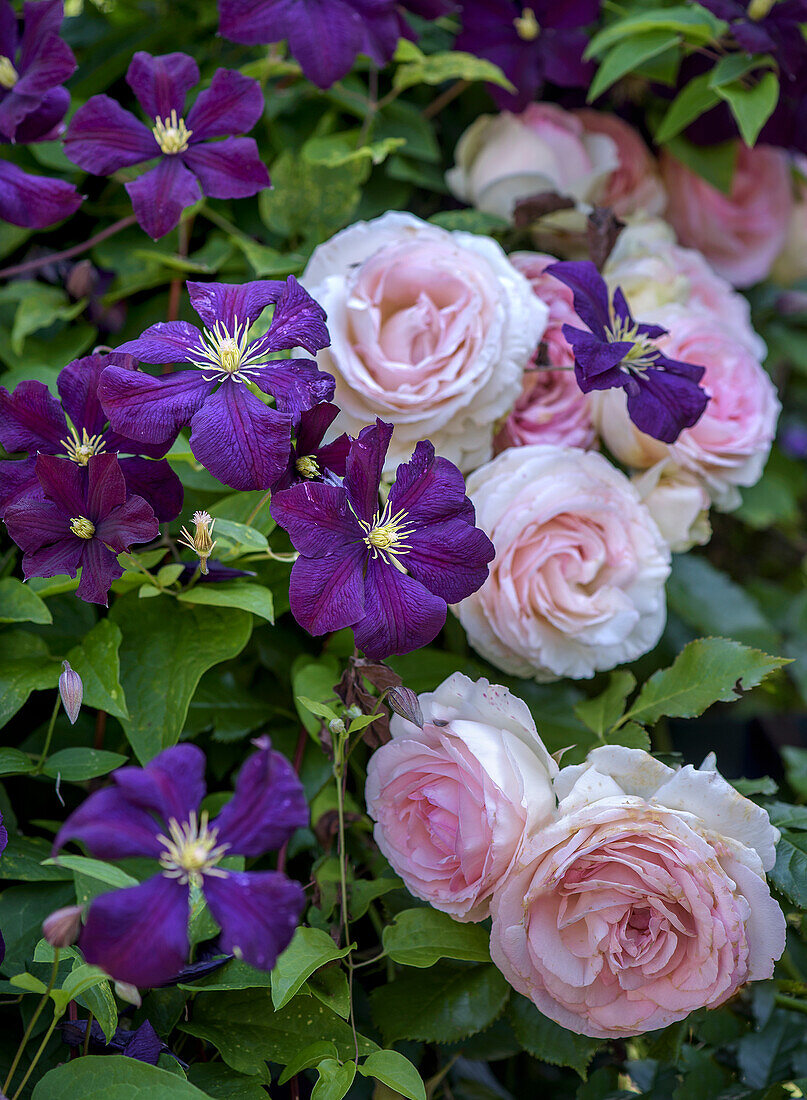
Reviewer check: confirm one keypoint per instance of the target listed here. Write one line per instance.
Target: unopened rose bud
(201, 541)
(405, 702)
(62, 927)
(336, 726)
(71, 690)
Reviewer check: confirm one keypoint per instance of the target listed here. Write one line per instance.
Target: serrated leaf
(241, 594)
(97, 662)
(20, 604)
(419, 937)
(627, 56)
(437, 68)
(310, 949)
(630, 736)
(548, 1041)
(789, 873)
(751, 107)
(76, 765)
(600, 713)
(393, 1069)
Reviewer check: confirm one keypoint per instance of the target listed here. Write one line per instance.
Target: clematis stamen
(82, 527)
(8, 74)
(642, 355)
(308, 467)
(527, 27)
(227, 353)
(171, 134)
(201, 541)
(81, 449)
(386, 536)
(191, 850)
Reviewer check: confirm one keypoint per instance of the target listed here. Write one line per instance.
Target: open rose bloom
(645, 900)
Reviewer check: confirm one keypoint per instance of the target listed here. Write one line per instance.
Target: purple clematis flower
(532, 41)
(31, 419)
(386, 570)
(663, 394)
(310, 460)
(142, 1043)
(33, 65)
(84, 521)
(35, 202)
(240, 439)
(140, 934)
(103, 138)
(767, 26)
(371, 27)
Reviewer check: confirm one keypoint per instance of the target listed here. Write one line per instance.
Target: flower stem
(69, 253)
(339, 772)
(38, 1055)
(32, 1023)
(266, 496)
(49, 736)
(793, 1003)
(86, 1048)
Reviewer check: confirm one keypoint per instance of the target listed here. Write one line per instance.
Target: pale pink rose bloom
(678, 502)
(577, 584)
(730, 444)
(635, 185)
(551, 407)
(791, 263)
(643, 901)
(454, 801)
(741, 233)
(430, 330)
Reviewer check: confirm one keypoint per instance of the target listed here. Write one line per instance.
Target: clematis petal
(99, 568)
(663, 404)
(31, 419)
(162, 82)
(43, 123)
(36, 523)
(317, 518)
(43, 65)
(233, 303)
(231, 105)
(314, 423)
(328, 593)
(429, 489)
(61, 556)
(597, 364)
(171, 785)
(258, 912)
(111, 827)
(8, 30)
(132, 522)
(228, 169)
(239, 440)
(18, 480)
(155, 482)
(589, 290)
(326, 58)
(41, 20)
(35, 202)
(250, 22)
(400, 613)
(139, 935)
(160, 196)
(165, 342)
(450, 559)
(296, 384)
(364, 466)
(63, 482)
(102, 138)
(268, 805)
(106, 487)
(152, 408)
(298, 321)
(78, 389)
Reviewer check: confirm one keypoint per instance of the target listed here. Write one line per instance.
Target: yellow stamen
(191, 850)
(226, 353)
(82, 527)
(642, 355)
(81, 450)
(386, 536)
(527, 26)
(171, 134)
(308, 467)
(758, 9)
(8, 74)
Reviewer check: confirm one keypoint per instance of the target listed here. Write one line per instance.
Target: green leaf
(96, 869)
(313, 680)
(29, 983)
(239, 534)
(600, 713)
(715, 163)
(361, 892)
(76, 765)
(710, 602)
(335, 150)
(469, 221)
(441, 1005)
(548, 1041)
(734, 66)
(39, 306)
(311, 201)
(234, 975)
(751, 107)
(692, 21)
(322, 710)
(24, 859)
(629, 55)
(309, 1056)
(268, 262)
(391, 1068)
(221, 1082)
(694, 100)
(166, 648)
(419, 937)
(789, 873)
(100, 1001)
(249, 597)
(437, 68)
(330, 986)
(113, 1078)
(25, 666)
(20, 604)
(15, 762)
(708, 670)
(310, 949)
(795, 760)
(96, 660)
(334, 1080)
(630, 736)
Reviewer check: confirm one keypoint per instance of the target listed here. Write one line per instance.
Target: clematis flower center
(642, 355)
(8, 74)
(82, 527)
(81, 450)
(527, 27)
(191, 850)
(386, 536)
(758, 9)
(201, 541)
(171, 134)
(226, 353)
(308, 467)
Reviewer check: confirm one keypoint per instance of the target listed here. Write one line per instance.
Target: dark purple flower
(237, 436)
(140, 934)
(767, 26)
(386, 570)
(85, 521)
(142, 1043)
(370, 27)
(35, 202)
(31, 419)
(103, 138)
(310, 459)
(32, 66)
(663, 394)
(532, 41)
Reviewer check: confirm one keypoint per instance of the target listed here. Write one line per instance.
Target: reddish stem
(100, 729)
(69, 253)
(299, 753)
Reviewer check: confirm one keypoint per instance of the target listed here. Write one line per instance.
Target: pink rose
(635, 185)
(551, 407)
(577, 584)
(453, 801)
(645, 900)
(741, 233)
(729, 445)
(678, 502)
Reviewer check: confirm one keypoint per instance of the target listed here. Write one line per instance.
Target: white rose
(678, 502)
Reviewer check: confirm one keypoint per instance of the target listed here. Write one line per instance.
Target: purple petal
(144, 1044)
(686, 370)
(563, 59)
(8, 29)
(328, 593)
(139, 935)
(78, 388)
(44, 65)
(333, 456)
(596, 362)
(99, 568)
(37, 523)
(429, 489)
(171, 785)
(156, 483)
(133, 522)
(364, 466)
(43, 124)
(228, 169)
(18, 479)
(231, 105)
(400, 614)
(296, 384)
(589, 290)
(152, 408)
(239, 440)
(233, 303)
(111, 827)
(267, 807)
(35, 202)
(102, 138)
(314, 423)
(42, 19)
(64, 483)
(450, 559)
(317, 518)
(106, 487)
(325, 58)
(165, 342)
(250, 22)
(161, 83)
(663, 404)
(258, 913)
(160, 196)
(64, 555)
(298, 321)
(31, 419)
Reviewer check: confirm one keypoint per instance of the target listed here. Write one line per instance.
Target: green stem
(49, 736)
(56, 1017)
(86, 1049)
(339, 773)
(37, 1013)
(784, 1001)
(266, 496)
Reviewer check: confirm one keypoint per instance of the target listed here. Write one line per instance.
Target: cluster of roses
(624, 894)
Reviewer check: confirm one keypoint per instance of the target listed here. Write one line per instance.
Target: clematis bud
(71, 690)
(201, 542)
(62, 927)
(337, 727)
(405, 702)
(128, 993)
